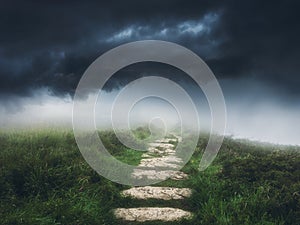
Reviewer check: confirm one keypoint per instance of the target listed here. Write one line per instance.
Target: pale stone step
(172, 159)
(164, 159)
(156, 151)
(151, 214)
(164, 193)
(159, 162)
(161, 145)
(161, 152)
(153, 174)
(146, 155)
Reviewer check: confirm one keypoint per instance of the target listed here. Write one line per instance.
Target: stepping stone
(161, 145)
(179, 176)
(153, 174)
(158, 162)
(162, 152)
(145, 155)
(172, 159)
(151, 214)
(155, 150)
(164, 193)
(170, 151)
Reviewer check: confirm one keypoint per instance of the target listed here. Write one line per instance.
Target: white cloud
(191, 28)
(194, 27)
(122, 35)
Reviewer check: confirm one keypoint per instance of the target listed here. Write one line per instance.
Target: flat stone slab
(172, 159)
(158, 175)
(164, 193)
(160, 162)
(151, 214)
(168, 151)
(178, 175)
(146, 155)
(161, 145)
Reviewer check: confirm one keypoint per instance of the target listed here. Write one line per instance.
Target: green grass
(45, 180)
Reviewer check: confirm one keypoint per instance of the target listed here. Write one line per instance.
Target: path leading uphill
(159, 163)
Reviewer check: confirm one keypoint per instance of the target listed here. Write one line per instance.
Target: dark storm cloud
(51, 43)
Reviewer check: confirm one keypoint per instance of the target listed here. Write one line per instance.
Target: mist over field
(257, 113)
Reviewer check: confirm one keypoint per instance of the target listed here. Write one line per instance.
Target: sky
(252, 47)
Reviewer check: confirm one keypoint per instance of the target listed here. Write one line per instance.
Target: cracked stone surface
(143, 214)
(164, 193)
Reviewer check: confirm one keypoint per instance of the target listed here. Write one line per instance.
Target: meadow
(45, 180)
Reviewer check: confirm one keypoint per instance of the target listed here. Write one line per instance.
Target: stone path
(165, 193)
(159, 163)
(143, 214)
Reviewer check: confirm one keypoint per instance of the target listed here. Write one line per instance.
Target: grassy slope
(45, 180)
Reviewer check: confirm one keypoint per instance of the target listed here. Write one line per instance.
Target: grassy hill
(45, 180)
